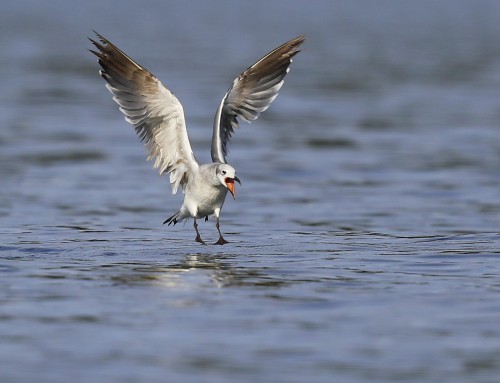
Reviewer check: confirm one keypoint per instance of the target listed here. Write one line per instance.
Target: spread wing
(251, 93)
(151, 108)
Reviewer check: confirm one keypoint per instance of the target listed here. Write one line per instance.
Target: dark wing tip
(101, 46)
(101, 37)
(278, 57)
(297, 40)
(292, 45)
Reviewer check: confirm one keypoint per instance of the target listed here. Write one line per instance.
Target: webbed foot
(221, 241)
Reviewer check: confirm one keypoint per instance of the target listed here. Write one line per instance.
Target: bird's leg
(198, 236)
(221, 240)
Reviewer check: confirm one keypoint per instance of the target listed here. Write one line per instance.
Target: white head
(226, 175)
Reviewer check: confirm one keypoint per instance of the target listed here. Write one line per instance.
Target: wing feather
(153, 110)
(251, 94)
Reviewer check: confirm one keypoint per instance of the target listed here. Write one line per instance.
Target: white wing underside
(251, 94)
(152, 109)
(158, 116)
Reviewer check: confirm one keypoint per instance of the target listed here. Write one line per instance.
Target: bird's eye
(223, 172)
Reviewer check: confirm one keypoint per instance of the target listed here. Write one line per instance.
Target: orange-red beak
(230, 185)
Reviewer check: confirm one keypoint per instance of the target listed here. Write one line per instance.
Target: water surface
(364, 240)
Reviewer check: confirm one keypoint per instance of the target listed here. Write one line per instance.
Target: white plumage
(158, 118)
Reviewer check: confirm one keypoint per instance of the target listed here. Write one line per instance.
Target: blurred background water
(364, 241)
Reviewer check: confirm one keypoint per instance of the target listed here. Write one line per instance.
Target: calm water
(365, 240)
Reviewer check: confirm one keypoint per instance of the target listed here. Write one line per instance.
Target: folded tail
(172, 219)
(177, 218)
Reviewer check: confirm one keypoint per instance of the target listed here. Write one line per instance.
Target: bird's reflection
(196, 269)
(222, 271)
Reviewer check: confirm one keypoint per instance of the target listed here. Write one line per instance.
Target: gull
(158, 119)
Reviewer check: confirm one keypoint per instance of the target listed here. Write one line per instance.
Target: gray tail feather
(172, 219)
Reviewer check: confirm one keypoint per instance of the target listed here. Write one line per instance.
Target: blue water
(365, 240)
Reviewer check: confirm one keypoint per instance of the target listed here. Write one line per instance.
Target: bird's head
(227, 175)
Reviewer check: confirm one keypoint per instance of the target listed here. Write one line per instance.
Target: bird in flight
(158, 118)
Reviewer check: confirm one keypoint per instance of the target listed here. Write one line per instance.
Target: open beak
(230, 185)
